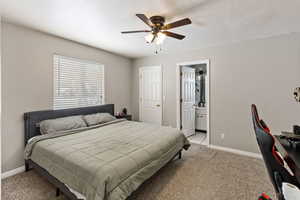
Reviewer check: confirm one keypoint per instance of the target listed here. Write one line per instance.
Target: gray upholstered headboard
(31, 119)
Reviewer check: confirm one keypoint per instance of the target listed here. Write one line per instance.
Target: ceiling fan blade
(178, 23)
(174, 35)
(141, 31)
(145, 19)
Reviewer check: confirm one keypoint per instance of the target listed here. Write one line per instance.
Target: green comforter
(108, 162)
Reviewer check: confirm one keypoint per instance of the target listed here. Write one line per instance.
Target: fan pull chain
(158, 48)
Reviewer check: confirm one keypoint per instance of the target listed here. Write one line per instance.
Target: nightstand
(128, 117)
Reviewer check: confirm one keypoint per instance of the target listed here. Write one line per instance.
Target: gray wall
(27, 81)
(0, 83)
(263, 72)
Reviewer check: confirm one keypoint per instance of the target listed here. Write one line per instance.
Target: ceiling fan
(159, 30)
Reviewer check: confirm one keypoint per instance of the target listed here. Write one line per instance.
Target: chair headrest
(255, 116)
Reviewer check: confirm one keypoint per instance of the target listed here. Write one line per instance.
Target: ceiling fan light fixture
(160, 38)
(149, 37)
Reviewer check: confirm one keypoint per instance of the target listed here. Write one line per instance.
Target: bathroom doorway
(193, 100)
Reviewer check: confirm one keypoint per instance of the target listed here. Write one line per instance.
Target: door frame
(161, 90)
(178, 94)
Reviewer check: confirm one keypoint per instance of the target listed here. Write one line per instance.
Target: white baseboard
(13, 172)
(236, 151)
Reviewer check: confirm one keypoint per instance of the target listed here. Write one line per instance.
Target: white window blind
(77, 83)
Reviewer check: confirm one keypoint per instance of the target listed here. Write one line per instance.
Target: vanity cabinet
(201, 118)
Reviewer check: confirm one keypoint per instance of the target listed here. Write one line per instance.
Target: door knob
(157, 105)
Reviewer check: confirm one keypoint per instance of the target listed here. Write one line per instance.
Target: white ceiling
(99, 22)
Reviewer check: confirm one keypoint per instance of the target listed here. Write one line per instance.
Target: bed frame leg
(26, 166)
(179, 155)
(57, 192)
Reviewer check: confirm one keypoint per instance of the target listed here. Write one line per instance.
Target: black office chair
(273, 162)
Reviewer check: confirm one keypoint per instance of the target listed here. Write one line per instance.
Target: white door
(150, 82)
(188, 100)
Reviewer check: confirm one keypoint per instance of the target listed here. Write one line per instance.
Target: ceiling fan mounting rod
(155, 29)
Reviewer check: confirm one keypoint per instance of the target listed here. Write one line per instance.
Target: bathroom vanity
(201, 119)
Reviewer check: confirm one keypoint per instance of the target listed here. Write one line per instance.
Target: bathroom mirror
(201, 73)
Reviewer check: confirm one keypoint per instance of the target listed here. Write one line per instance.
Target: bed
(107, 162)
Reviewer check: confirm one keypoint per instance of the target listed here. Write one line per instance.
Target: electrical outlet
(222, 136)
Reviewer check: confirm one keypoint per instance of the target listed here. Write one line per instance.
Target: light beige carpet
(201, 174)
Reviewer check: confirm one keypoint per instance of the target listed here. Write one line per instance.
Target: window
(77, 83)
